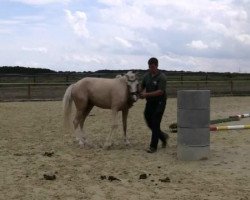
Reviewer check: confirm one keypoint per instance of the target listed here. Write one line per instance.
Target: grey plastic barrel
(193, 120)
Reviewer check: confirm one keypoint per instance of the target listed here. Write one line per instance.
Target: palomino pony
(117, 94)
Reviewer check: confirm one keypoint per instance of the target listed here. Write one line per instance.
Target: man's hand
(142, 95)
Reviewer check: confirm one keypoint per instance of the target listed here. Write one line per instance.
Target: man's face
(153, 68)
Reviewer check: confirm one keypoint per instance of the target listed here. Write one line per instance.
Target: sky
(89, 35)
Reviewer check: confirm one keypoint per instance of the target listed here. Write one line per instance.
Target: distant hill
(24, 70)
(32, 71)
(190, 73)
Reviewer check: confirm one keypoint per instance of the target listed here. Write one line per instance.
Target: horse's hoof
(82, 146)
(76, 142)
(81, 142)
(107, 146)
(127, 143)
(90, 145)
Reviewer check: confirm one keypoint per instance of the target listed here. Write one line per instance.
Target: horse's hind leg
(84, 116)
(76, 122)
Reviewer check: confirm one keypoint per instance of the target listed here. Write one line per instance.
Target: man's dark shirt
(154, 83)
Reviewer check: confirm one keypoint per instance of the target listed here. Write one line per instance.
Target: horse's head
(133, 85)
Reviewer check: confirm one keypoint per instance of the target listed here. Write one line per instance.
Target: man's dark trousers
(153, 114)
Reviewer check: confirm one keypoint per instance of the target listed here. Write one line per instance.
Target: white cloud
(41, 2)
(215, 45)
(198, 44)
(35, 49)
(83, 58)
(227, 20)
(18, 19)
(28, 64)
(9, 22)
(176, 62)
(135, 16)
(149, 46)
(244, 38)
(111, 2)
(191, 63)
(78, 22)
(123, 42)
(4, 31)
(123, 33)
(30, 18)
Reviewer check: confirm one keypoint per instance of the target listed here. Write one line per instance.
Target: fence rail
(74, 76)
(55, 91)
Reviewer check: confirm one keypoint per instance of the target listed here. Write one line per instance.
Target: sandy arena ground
(30, 129)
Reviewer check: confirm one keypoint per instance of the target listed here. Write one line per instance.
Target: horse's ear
(126, 76)
(136, 73)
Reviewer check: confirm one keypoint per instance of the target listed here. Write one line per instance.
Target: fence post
(232, 86)
(197, 85)
(67, 77)
(29, 91)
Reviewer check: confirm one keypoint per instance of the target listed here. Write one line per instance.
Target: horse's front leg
(124, 122)
(114, 127)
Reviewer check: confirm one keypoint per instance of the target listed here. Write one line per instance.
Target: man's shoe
(151, 150)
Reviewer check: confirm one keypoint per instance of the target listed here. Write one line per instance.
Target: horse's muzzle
(134, 96)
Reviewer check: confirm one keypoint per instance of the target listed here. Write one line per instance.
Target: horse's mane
(120, 77)
(129, 76)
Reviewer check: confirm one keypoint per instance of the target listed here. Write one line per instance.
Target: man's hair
(153, 61)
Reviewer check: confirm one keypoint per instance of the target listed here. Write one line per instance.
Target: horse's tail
(67, 108)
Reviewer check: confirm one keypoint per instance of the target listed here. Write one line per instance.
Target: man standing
(153, 88)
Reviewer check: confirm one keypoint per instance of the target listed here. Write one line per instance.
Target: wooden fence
(72, 77)
(55, 91)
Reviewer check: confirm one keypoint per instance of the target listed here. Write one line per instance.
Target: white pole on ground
(233, 127)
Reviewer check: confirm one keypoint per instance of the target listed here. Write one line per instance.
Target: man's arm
(156, 93)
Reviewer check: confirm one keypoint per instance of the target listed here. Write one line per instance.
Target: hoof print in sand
(49, 153)
(165, 180)
(143, 176)
(110, 178)
(49, 176)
